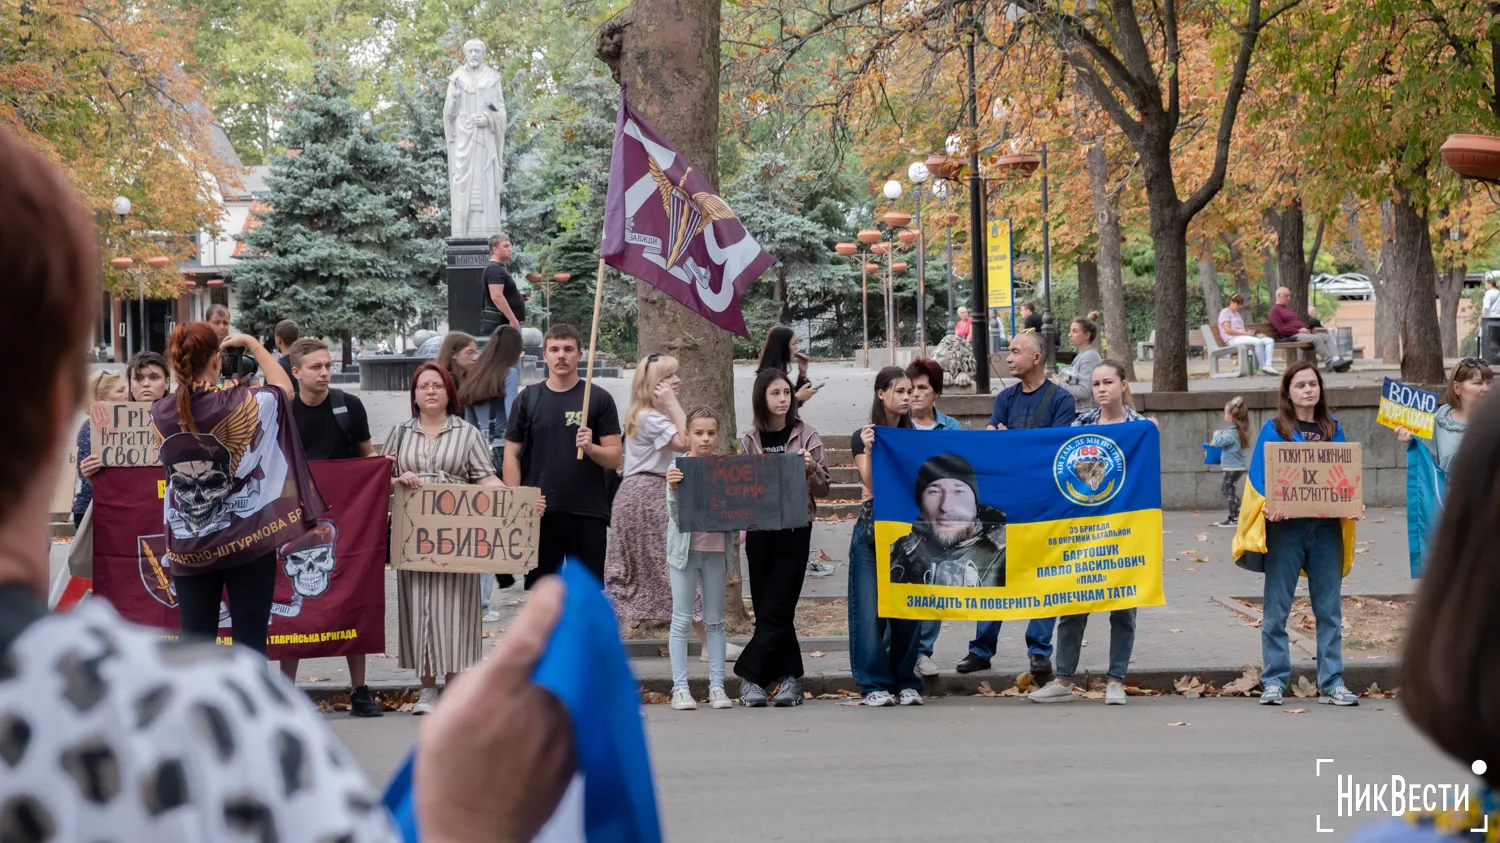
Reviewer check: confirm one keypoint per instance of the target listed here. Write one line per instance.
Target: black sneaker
(752, 695)
(972, 663)
(362, 703)
(1041, 666)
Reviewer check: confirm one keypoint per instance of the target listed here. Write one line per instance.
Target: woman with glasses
(439, 613)
(458, 355)
(1428, 464)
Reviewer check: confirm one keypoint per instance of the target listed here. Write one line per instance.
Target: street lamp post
(918, 174)
(1027, 164)
(979, 301)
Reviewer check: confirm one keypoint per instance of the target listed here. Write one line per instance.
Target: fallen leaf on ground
(1133, 691)
(807, 695)
(845, 692)
(828, 697)
(1085, 642)
(1189, 552)
(1361, 550)
(1377, 520)
(1303, 688)
(984, 690)
(1189, 686)
(1092, 695)
(317, 678)
(1295, 710)
(1025, 682)
(1174, 630)
(1373, 692)
(654, 698)
(816, 654)
(1012, 691)
(1245, 685)
(1191, 570)
(1179, 723)
(1201, 537)
(823, 556)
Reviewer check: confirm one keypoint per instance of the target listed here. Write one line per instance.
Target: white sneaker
(879, 699)
(682, 700)
(910, 696)
(1270, 370)
(1052, 692)
(491, 616)
(731, 652)
(718, 699)
(926, 666)
(426, 702)
(1114, 694)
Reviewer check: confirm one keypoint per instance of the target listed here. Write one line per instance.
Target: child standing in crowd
(104, 386)
(778, 558)
(1112, 406)
(697, 560)
(1233, 443)
(882, 651)
(1283, 548)
(780, 352)
(655, 433)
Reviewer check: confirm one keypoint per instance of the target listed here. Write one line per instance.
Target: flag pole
(588, 382)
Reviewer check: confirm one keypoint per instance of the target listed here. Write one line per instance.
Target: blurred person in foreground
(113, 733)
(1449, 679)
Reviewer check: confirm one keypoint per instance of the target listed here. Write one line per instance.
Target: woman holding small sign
(439, 613)
(778, 558)
(106, 387)
(1470, 382)
(1268, 541)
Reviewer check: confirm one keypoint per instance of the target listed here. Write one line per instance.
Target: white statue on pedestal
(474, 126)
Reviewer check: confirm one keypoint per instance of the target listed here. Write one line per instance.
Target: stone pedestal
(464, 271)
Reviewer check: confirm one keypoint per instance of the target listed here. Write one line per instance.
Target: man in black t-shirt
(333, 426)
(542, 439)
(503, 302)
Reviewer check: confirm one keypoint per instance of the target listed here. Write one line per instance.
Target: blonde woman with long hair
(106, 386)
(635, 567)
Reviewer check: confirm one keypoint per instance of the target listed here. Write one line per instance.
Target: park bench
(1147, 350)
(1216, 350)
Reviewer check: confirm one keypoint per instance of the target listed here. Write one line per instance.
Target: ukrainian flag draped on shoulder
(1249, 546)
(1426, 486)
(1017, 523)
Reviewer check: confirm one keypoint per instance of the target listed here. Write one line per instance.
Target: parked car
(1346, 286)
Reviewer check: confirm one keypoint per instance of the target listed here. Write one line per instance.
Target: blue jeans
(1314, 545)
(1121, 642)
(927, 639)
(1038, 638)
(882, 651)
(711, 569)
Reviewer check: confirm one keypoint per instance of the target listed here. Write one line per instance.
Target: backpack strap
(341, 416)
(1044, 404)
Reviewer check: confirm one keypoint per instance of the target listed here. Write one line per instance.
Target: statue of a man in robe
(474, 126)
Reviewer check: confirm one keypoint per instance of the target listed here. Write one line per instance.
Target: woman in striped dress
(439, 614)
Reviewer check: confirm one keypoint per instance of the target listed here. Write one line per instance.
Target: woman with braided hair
(238, 485)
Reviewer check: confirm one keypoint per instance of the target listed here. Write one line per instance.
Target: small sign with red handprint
(1314, 479)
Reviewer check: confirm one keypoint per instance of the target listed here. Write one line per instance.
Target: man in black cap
(957, 541)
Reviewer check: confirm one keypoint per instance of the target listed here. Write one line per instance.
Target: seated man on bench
(1289, 326)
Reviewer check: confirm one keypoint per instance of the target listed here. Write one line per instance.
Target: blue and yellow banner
(1404, 406)
(999, 525)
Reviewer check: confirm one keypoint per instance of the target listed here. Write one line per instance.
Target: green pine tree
(336, 252)
(421, 187)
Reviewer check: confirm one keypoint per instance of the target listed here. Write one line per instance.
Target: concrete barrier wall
(1187, 419)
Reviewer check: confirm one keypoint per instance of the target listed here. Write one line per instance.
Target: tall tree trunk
(1208, 276)
(1169, 241)
(1111, 277)
(1415, 277)
(1240, 273)
(1088, 286)
(1269, 280)
(348, 354)
(1450, 294)
(666, 54)
(1387, 307)
(1291, 265)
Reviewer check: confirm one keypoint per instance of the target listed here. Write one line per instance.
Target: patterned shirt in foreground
(108, 732)
(1092, 416)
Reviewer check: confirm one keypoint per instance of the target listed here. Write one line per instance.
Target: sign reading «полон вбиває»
(122, 435)
(465, 529)
(1011, 524)
(748, 492)
(1406, 407)
(1314, 479)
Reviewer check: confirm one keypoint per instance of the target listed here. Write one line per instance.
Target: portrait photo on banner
(1017, 524)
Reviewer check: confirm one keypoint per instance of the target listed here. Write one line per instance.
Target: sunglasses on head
(1472, 362)
(652, 358)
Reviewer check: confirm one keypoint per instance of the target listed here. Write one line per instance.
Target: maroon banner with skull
(330, 582)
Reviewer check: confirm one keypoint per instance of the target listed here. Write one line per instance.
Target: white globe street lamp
(120, 206)
(892, 190)
(917, 172)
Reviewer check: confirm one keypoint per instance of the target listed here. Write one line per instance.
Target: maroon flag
(664, 225)
(330, 581)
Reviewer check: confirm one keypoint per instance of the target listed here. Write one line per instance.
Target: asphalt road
(968, 769)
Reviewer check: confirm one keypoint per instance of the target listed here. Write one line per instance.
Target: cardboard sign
(755, 492)
(1407, 407)
(462, 529)
(1314, 479)
(122, 435)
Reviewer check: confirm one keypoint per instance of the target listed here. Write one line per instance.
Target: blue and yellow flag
(1426, 485)
(997, 525)
(1249, 545)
